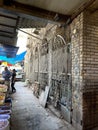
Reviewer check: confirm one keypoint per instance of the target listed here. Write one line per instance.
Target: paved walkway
(28, 114)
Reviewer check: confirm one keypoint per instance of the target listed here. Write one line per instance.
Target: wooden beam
(3, 35)
(82, 8)
(6, 32)
(78, 11)
(35, 11)
(30, 34)
(6, 16)
(10, 26)
(16, 24)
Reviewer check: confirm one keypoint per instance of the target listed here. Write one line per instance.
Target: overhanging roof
(65, 7)
(36, 13)
(54, 10)
(8, 50)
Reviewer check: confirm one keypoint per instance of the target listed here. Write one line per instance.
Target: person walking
(6, 75)
(13, 80)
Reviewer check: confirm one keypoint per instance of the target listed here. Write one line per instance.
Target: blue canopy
(14, 60)
(8, 50)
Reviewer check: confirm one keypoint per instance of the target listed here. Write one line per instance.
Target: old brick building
(62, 52)
(66, 61)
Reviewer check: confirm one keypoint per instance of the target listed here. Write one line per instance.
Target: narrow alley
(51, 46)
(30, 115)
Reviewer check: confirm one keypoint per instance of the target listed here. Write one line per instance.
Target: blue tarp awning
(14, 60)
(8, 50)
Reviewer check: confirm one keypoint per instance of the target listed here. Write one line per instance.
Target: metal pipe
(30, 34)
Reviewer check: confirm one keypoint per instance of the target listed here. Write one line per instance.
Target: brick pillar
(84, 39)
(77, 65)
(90, 69)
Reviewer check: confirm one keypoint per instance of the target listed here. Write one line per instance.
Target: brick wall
(90, 69)
(84, 38)
(77, 66)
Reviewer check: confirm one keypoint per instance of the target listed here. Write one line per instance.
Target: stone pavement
(28, 114)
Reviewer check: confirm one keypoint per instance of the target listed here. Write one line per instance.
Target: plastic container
(5, 108)
(4, 124)
(9, 101)
(4, 116)
(5, 112)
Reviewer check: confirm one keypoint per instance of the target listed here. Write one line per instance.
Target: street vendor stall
(1, 80)
(5, 108)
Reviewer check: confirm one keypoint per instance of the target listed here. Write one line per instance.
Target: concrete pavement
(28, 114)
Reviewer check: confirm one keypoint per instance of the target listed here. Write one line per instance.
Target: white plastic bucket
(4, 124)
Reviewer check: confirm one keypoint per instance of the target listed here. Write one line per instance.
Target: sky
(21, 42)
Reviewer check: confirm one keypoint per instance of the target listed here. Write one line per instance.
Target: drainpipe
(38, 62)
(30, 34)
(50, 64)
